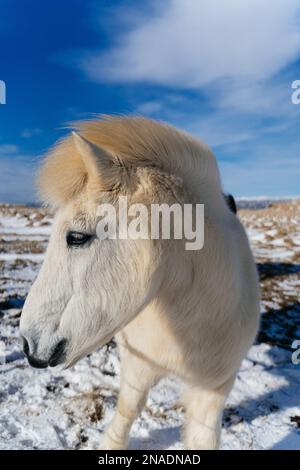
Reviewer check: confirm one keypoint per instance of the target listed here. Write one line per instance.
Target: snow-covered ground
(57, 409)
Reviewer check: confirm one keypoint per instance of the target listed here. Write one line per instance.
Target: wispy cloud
(16, 175)
(221, 70)
(149, 108)
(8, 149)
(190, 44)
(268, 173)
(28, 133)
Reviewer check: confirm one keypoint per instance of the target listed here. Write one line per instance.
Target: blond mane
(131, 141)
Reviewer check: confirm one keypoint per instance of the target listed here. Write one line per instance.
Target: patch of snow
(67, 409)
(37, 257)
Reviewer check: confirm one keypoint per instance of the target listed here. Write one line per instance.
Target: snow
(69, 409)
(20, 226)
(14, 256)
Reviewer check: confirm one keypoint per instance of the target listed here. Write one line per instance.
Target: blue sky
(221, 70)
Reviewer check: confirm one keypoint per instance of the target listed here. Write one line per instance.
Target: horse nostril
(58, 354)
(25, 346)
(37, 363)
(33, 361)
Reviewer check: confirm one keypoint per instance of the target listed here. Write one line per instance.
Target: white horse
(189, 313)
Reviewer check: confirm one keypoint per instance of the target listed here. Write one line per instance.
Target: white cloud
(192, 43)
(28, 133)
(229, 65)
(273, 175)
(8, 149)
(16, 175)
(149, 108)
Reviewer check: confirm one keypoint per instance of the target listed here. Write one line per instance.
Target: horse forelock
(132, 141)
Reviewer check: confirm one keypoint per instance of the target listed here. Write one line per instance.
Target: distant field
(263, 202)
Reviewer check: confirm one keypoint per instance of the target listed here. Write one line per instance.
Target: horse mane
(131, 141)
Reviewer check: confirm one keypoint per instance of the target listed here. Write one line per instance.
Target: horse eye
(77, 238)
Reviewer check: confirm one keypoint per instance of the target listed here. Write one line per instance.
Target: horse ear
(98, 162)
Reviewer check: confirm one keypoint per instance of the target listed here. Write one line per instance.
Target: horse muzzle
(57, 355)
